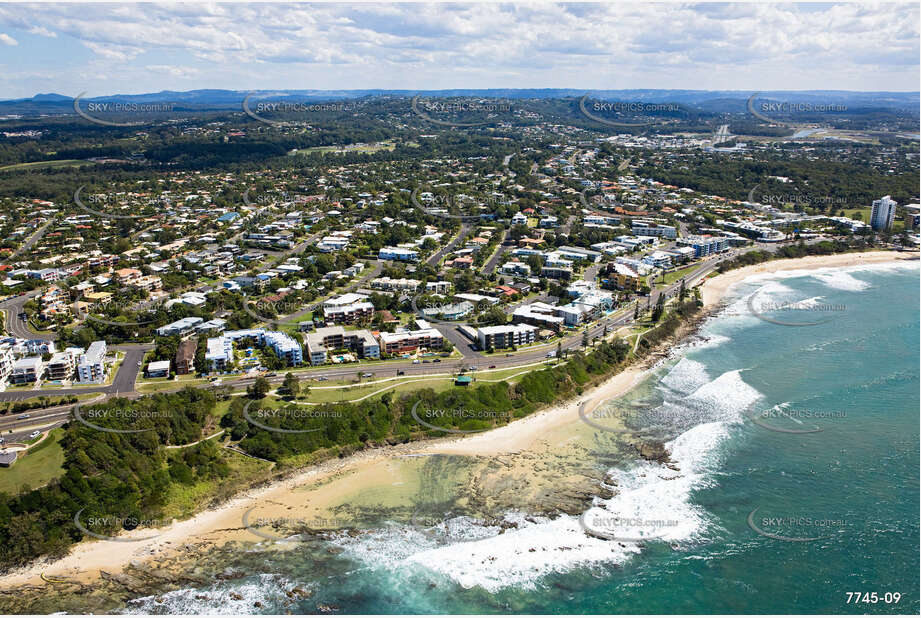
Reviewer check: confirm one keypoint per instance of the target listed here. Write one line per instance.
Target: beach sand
(543, 431)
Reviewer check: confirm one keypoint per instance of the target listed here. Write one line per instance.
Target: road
(435, 258)
(493, 261)
(34, 238)
(124, 381)
(20, 328)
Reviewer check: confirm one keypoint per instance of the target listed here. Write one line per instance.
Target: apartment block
(91, 367)
(505, 336)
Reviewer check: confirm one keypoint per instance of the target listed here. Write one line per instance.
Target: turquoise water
(835, 453)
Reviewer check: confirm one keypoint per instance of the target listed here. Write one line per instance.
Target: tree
(660, 308)
(292, 385)
(584, 338)
(636, 311)
(682, 292)
(559, 349)
(258, 389)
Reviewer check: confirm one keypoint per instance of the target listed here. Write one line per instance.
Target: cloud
(614, 45)
(8, 40)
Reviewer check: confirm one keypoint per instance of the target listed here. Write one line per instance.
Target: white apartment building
(505, 336)
(91, 368)
(883, 213)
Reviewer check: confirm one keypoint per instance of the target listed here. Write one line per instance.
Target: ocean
(791, 424)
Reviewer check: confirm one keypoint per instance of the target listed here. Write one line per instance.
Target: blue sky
(134, 48)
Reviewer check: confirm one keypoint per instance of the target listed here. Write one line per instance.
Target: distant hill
(715, 101)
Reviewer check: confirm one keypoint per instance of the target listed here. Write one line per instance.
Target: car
(23, 417)
(271, 375)
(400, 372)
(367, 375)
(2, 439)
(492, 366)
(139, 363)
(426, 361)
(415, 361)
(551, 354)
(471, 368)
(508, 353)
(437, 360)
(34, 435)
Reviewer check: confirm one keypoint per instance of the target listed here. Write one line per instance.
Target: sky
(120, 48)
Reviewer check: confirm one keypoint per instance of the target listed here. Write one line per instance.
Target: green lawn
(41, 465)
(57, 163)
(678, 274)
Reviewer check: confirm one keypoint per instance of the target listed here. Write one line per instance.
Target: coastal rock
(653, 451)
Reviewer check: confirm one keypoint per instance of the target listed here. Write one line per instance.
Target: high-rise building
(883, 213)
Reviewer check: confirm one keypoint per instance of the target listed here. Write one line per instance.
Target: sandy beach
(375, 467)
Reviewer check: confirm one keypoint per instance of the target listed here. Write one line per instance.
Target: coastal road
(124, 385)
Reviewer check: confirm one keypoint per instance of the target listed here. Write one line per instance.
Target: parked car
(400, 372)
(437, 360)
(415, 361)
(492, 366)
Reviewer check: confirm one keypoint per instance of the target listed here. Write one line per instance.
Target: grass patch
(675, 275)
(183, 501)
(37, 467)
(36, 164)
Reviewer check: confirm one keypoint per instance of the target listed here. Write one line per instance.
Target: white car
(34, 434)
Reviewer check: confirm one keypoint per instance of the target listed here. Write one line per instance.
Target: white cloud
(707, 46)
(8, 40)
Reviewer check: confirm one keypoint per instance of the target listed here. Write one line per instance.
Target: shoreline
(89, 559)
